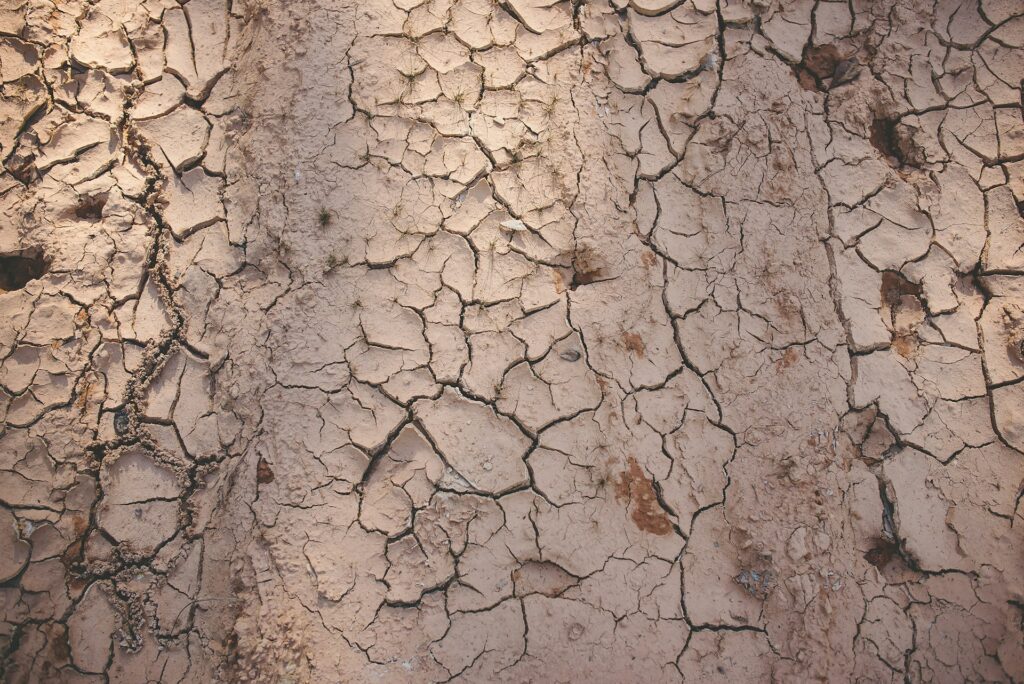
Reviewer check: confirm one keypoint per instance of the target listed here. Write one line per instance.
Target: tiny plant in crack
(410, 83)
(324, 217)
(333, 262)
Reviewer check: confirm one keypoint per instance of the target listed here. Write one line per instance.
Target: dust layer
(511, 340)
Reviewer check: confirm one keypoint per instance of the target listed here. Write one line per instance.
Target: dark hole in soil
(900, 295)
(883, 136)
(22, 166)
(882, 553)
(264, 473)
(585, 269)
(894, 141)
(821, 60)
(18, 268)
(895, 287)
(586, 277)
(91, 207)
(819, 63)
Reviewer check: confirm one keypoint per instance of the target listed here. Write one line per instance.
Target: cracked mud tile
(511, 340)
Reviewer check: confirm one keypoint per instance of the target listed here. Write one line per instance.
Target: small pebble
(121, 422)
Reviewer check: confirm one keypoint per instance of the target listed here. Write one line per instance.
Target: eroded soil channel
(511, 341)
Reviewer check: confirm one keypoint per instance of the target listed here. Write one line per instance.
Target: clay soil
(513, 341)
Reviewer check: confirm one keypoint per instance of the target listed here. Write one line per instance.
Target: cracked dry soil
(511, 340)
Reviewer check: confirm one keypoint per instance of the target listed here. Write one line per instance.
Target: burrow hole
(20, 267)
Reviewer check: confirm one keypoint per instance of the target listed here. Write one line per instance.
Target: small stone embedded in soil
(121, 421)
(845, 71)
(570, 355)
(757, 583)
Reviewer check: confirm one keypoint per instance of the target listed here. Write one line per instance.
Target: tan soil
(511, 340)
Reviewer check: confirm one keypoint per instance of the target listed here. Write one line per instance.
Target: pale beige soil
(511, 341)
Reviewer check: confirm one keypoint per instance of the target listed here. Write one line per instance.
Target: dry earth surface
(511, 340)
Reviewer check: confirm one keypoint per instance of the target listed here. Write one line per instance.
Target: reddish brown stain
(59, 648)
(897, 293)
(83, 399)
(649, 259)
(805, 79)
(634, 343)
(71, 553)
(788, 359)
(559, 281)
(588, 276)
(905, 346)
(264, 475)
(79, 523)
(79, 526)
(788, 308)
(586, 269)
(637, 492)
